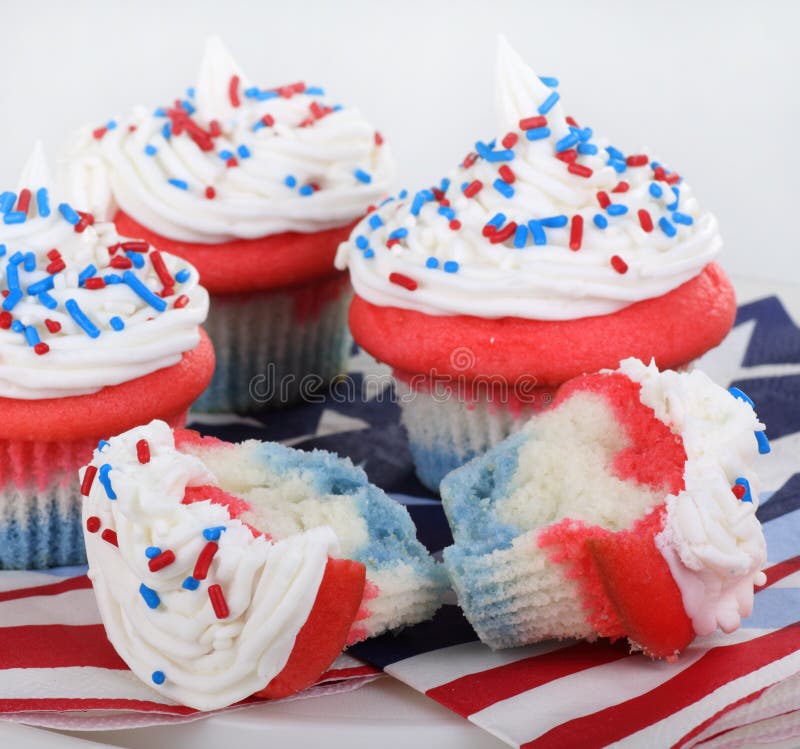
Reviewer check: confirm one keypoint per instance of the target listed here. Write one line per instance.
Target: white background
(711, 87)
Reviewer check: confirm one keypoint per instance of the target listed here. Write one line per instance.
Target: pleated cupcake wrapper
(275, 348)
(445, 433)
(40, 501)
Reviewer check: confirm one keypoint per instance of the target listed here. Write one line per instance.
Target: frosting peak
(218, 70)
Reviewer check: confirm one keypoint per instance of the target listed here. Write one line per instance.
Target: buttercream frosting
(232, 161)
(545, 221)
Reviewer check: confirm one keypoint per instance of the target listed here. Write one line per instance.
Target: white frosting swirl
(268, 191)
(129, 336)
(712, 540)
(458, 270)
(206, 662)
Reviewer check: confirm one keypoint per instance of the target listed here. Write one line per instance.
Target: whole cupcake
(546, 254)
(255, 187)
(98, 333)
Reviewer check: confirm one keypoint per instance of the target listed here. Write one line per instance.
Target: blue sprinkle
(190, 583)
(69, 213)
(587, 149)
(2, 250)
(362, 176)
(741, 395)
(548, 103)
(763, 443)
(150, 596)
(266, 95)
(444, 185)
(12, 275)
(225, 154)
(213, 534)
(549, 81)
(102, 475)
(447, 212)
(537, 133)
(43, 202)
(554, 222)
(385, 201)
(615, 153)
(417, 203)
(136, 258)
(7, 200)
(150, 150)
(252, 92)
(80, 319)
(497, 220)
(290, 181)
(158, 676)
(400, 233)
(450, 266)
(362, 242)
(188, 107)
(585, 134)
(166, 131)
(314, 91)
(600, 221)
(117, 323)
(674, 204)
(152, 551)
(369, 253)
(503, 188)
(17, 326)
(537, 232)
(46, 300)
(741, 481)
(190, 92)
(156, 302)
(667, 227)
(45, 284)
(14, 217)
(488, 153)
(655, 190)
(682, 218)
(616, 209)
(431, 262)
(31, 336)
(243, 151)
(30, 262)
(403, 194)
(102, 445)
(618, 166)
(337, 107)
(259, 124)
(112, 278)
(375, 221)
(159, 112)
(112, 125)
(306, 190)
(521, 236)
(568, 141)
(179, 183)
(86, 273)
(183, 275)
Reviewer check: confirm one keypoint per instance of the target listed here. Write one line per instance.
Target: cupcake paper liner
(278, 346)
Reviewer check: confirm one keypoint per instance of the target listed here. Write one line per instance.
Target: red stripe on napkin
(57, 645)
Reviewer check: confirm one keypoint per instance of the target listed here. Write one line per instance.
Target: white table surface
(384, 713)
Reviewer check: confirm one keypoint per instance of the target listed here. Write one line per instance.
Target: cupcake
(256, 188)
(546, 254)
(98, 333)
(637, 487)
(223, 571)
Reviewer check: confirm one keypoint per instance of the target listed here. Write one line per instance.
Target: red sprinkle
(88, 479)
(618, 264)
(41, 348)
(603, 199)
(88, 216)
(81, 225)
(507, 174)
(214, 129)
(54, 255)
(56, 266)
(673, 178)
(93, 524)
(659, 173)
(392, 242)
(404, 281)
(503, 234)
(218, 602)
(580, 170)
(469, 160)
(143, 451)
(231, 162)
(109, 537)
(99, 132)
(638, 159)
(160, 268)
(120, 262)
(24, 200)
(166, 291)
(576, 232)
(135, 246)
(531, 123)
(164, 559)
(567, 156)
(645, 221)
(94, 283)
(5, 320)
(204, 560)
(181, 301)
(211, 193)
(488, 230)
(378, 139)
(455, 224)
(738, 491)
(621, 187)
(571, 121)
(233, 91)
(510, 140)
(52, 325)
(473, 188)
